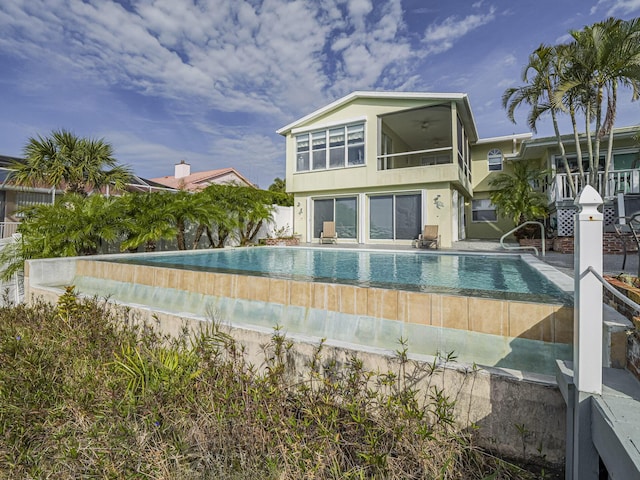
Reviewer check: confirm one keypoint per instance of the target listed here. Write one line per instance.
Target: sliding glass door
(342, 210)
(395, 217)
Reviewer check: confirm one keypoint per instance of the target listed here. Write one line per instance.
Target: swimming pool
(365, 297)
(499, 276)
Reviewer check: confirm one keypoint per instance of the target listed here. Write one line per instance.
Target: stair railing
(528, 247)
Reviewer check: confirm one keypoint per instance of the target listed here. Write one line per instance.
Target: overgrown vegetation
(517, 196)
(84, 393)
(77, 224)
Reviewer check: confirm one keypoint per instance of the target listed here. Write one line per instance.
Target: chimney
(183, 169)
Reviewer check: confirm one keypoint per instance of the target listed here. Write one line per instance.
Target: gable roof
(199, 180)
(461, 99)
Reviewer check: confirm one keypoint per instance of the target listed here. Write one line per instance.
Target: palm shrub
(517, 195)
(146, 219)
(74, 225)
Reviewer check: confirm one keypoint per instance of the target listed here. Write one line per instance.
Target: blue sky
(210, 81)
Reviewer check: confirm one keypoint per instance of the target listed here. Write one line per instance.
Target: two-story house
(383, 164)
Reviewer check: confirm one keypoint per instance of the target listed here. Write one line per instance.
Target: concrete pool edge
(491, 398)
(547, 322)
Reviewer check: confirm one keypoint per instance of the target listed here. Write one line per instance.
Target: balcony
(418, 158)
(618, 181)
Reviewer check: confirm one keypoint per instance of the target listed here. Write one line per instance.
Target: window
(495, 160)
(483, 211)
(29, 199)
(395, 217)
(319, 149)
(343, 210)
(302, 153)
(337, 147)
(355, 140)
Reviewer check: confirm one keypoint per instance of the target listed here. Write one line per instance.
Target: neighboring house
(13, 197)
(183, 179)
(383, 164)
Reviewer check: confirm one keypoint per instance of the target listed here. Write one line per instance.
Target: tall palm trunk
(597, 139)
(611, 116)
(180, 235)
(563, 155)
(576, 139)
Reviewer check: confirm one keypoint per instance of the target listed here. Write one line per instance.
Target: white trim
(504, 138)
(309, 220)
(367, 94)
(326, 126)
(362, 205)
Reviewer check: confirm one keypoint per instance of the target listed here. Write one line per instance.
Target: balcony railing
(418, 158)
(8, 228)
(618, 181)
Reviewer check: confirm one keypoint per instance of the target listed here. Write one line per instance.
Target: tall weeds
(86, 394)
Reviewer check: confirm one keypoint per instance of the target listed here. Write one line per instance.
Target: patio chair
(328, 233)
(429, 237)
(629, 233)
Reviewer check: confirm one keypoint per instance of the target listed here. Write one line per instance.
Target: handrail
(615, 292)
(507, 247)
(428, 150)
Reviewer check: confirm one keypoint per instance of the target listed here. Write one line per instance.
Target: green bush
(88, 393)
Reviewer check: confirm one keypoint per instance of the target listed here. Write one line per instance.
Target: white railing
(7, 229)
(417, 158)
(619, 181)
(527, 247)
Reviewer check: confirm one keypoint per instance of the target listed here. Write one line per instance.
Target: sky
(210, 81)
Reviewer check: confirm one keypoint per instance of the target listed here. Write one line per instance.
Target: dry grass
(84, 394)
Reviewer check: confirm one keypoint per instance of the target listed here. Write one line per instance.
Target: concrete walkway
(611, 264)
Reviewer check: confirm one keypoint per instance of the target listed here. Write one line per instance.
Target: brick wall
(563, 244)
(611, 244)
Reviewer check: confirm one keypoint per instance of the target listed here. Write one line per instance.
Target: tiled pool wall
(533, 321)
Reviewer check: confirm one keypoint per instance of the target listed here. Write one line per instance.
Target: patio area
(611, 264)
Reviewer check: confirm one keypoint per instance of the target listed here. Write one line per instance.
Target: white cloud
(265, 57)
(614, 7)
(441, 37)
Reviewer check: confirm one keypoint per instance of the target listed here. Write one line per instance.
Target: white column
(362, 209)
(587, 316)
(587, 333)
(309, 219)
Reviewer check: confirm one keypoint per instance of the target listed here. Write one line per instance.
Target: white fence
(619, 181)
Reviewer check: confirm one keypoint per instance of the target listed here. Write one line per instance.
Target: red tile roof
(200, 180)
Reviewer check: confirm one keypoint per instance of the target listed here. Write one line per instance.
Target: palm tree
(253, 208)
(280, 195)
(517, 196)
(148, 220)
(184, 208)
(541, 78)
(214, 212)
(63, 159)
(603, 56)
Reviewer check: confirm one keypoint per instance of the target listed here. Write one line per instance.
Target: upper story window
(495, 160)
(336, 147)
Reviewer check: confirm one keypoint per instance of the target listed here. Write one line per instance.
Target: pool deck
(611, 264)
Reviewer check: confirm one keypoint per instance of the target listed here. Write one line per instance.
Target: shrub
(87, 392)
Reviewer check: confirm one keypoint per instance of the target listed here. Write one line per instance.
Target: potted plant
(282, 236)
(518, 196)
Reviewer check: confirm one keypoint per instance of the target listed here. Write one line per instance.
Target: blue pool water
(490, 276)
